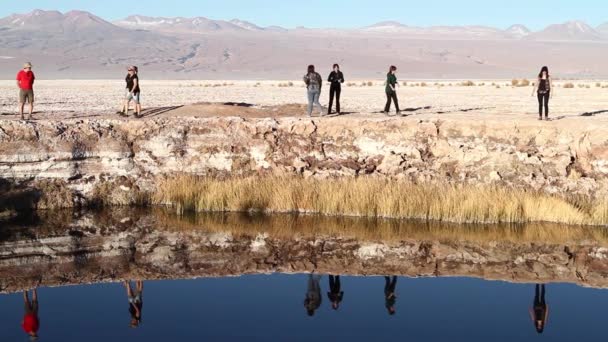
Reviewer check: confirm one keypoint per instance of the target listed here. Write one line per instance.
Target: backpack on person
(314, 81)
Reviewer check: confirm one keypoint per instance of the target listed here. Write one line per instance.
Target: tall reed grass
(373, 197)
(377, 229)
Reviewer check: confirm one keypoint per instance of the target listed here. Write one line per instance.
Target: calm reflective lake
(151, 276)
(271, 308)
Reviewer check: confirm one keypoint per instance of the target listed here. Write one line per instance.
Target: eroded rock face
(557, 158)
(128, 245)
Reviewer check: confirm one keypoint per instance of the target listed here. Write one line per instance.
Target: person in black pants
(336, 78)
(539, 312)
(335, 293)
(390, 297)
(543, 88)
(391, 90)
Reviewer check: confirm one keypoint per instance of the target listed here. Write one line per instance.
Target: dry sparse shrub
(404, 84)
(351, 84)
(569, 85)
(524, 83)
(378, 198)
(423, 84)
(369, 83)
(468, 84)
(598, 85)
(497, 86)
(363, 84)
(515, 83)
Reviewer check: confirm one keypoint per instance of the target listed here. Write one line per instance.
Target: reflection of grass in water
(368, 229)
(372, 197)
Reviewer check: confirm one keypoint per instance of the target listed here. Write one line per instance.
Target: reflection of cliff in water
(65, 248)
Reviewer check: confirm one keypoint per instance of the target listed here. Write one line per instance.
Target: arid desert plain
(455, 99)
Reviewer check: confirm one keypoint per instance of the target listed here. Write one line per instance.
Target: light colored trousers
(313, 99)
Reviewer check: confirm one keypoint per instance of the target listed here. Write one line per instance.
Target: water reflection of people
(335, 294)
(135, 301)
(389, 294)
(313, 295)
(31, 323)
(539, 310)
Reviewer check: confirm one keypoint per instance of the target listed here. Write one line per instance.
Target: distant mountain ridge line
(571, 30)
(80, 45)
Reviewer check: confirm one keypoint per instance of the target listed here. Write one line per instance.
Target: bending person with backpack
(543, 88)
(313, 86)
(336, 78)
(391, 90)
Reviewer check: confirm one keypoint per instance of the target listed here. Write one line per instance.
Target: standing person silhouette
(391, 90)
(390, 297)
(31, 322)
(313, 82)
(136, 302)
(25, 83)
(539, 312)
(132, 93)
(335, 293)
(313, 294)
(336, 78)
(543, 89)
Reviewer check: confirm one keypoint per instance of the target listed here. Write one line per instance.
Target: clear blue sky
(536, 14)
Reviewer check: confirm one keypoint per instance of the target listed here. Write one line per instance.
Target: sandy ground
(60, 99)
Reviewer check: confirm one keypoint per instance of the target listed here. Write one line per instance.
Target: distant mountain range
(79, 44)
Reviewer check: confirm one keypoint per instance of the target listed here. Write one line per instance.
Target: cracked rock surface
(84, 153)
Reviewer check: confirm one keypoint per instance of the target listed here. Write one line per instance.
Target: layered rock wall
(557, 157)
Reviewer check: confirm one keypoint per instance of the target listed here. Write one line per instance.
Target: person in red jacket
(25, 83)
(31, 323)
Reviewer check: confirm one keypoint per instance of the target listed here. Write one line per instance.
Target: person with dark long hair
(539, 312)
(391, 90)
(313, 82)
(543, 88)
(336, 78)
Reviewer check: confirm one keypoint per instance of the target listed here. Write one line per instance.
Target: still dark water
(271, 308)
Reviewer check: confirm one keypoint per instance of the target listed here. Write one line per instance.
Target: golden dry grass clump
(568, 85)
(372, 197)
(285, 226)
(520, 83)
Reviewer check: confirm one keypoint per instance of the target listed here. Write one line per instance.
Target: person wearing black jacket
(336, 78)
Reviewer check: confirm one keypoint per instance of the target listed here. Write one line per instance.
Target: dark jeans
(389, 285)
(539, 295)
(391, 96)
(334, 284)
(540, 306)
(334, 90)
(543, 99)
